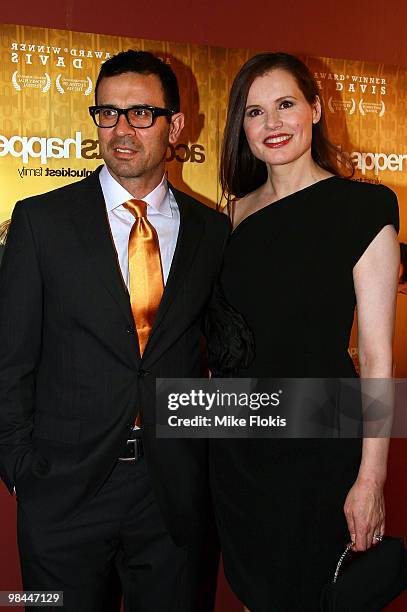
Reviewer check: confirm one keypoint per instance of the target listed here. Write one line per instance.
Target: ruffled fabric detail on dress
(230, 341)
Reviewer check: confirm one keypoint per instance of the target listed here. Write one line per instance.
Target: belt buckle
(136, 441)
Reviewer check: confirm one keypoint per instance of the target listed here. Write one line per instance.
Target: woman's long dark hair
(240, 171)
(403, 261)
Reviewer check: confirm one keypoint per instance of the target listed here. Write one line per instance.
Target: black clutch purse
(370, 581)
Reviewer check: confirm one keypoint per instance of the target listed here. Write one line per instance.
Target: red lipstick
(276, 141)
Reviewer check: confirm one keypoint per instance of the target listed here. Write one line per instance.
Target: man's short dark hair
(143, 62)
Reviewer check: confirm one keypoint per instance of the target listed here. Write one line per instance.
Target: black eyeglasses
(140, 116)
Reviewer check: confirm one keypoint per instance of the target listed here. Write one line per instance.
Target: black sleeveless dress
(279, 503)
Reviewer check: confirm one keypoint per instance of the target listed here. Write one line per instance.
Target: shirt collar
(115, 195)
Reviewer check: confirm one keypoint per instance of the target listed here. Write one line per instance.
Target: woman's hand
(365, 513)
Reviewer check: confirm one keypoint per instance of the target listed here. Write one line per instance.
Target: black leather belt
(133, 450)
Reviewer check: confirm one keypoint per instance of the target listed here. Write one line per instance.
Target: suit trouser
(116, 543)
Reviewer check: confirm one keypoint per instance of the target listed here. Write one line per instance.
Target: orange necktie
(145, 271)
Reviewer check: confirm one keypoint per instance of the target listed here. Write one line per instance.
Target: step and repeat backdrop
(48, 139)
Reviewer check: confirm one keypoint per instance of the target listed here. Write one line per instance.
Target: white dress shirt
(162, 213)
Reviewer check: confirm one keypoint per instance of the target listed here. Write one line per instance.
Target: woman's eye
(253, 112)
(286, 104)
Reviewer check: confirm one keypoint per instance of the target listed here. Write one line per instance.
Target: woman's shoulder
(367, 203)
(235, 208)
(370, 207)
(238, 208)
(363, 189)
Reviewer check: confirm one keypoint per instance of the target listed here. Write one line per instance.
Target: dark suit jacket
(71, 376)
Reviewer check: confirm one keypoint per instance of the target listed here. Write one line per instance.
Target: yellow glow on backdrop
(47, 80)
(47, 138)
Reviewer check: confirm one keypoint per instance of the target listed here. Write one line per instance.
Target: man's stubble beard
(127, 169)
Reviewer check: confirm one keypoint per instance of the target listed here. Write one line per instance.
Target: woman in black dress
(307, 246)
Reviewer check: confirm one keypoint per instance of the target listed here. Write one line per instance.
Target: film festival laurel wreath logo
(354, 84)
(62, 84)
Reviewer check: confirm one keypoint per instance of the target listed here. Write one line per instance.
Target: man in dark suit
(78, 369)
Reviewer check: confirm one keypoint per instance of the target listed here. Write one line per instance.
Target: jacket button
(130, 329)
(141, 373)
(41, 467)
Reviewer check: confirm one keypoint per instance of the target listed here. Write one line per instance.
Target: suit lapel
(190, 232)
(92, 226)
